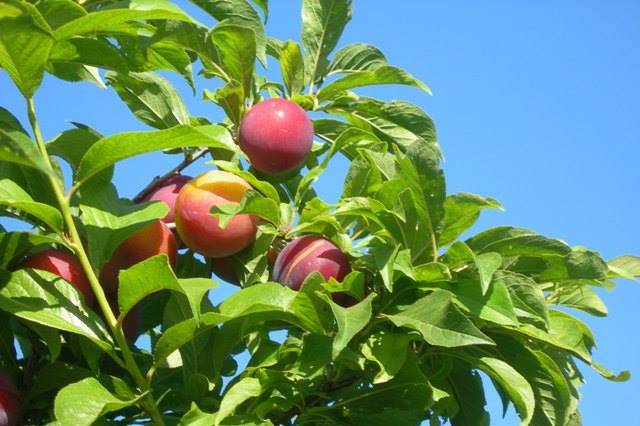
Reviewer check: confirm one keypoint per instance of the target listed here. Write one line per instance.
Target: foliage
(432, 312)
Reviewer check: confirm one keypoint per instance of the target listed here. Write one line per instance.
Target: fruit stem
(188, 160)
(148, 403)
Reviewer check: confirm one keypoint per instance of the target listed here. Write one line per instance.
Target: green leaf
(151, 98)
(236, 46)
(495, 305)
(509, 241)
(627, 266)
(565, 332)
(357, 57)
(230, 98)
(18, 148)
(12, 196)
(528, 299)
(47, 299)
(460, 212)
(252, 203)
(15, 245)
(87, 51)
(273, 298)
(112, 149)
(397, 122)
(292, 67)
(580, 297)
(59, 12)
(25, 43)
(109, 19)
(108, 220)
(240, 13)
(467, 386)
(240, 392)
(440, 322)
(183, 332)
(382, 75)
(72, 144)
(388, 351)
(322, 24)
(549, 386)
(516, 386)
(350, 321)
(84, 402)
(487, 264)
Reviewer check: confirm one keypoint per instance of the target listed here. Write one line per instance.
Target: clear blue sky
(536, 104)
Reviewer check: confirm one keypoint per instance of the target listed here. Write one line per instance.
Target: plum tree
(63, 264)
(9, 400)
(307, 254)
(276, 135)
(167, 192)
(155, 238)
(201, 231)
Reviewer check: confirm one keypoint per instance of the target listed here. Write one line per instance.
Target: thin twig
(188, 160)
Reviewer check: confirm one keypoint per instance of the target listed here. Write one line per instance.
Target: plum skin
(65, 265)
(307, 254)
(9, 401)
(155, 238)
(199, 230)
(276, 135)
(167, 191)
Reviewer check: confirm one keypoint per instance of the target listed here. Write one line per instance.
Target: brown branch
(188, 160)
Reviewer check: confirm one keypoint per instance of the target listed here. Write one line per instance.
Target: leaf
(527, 298)
(112, 149)
(580, 297)
(322, 24)
(87, 51)
(509, 241)
(58, 12)
(440, 322)
(155, 274)
(350, 321)
(549, 386)
(11, 195)
(512, 382)
(460, 213)
(15, 245)
(388, 351)
(47, 299)
(18, 148)
(72, 144)
(627, 266)
(252, 203)
(239, 13)
(84, 402)
(240, 392)
(487, 264)
(106, 20)
(357, 57)
(495, 305)
(236, 46)
(151, 98)
(469, 394)
(397, 122)
(25, 43)
(292, 67)
(230, 98)
(383, 75)
(108, 220)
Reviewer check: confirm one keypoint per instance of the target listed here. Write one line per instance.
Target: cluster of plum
(276, 135)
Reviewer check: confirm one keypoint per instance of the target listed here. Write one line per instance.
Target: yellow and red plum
(9, 401)
(199, 230)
